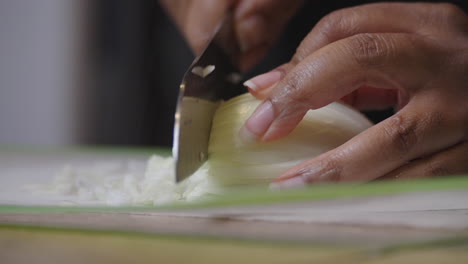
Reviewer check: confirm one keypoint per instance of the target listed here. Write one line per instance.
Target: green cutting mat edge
(261, 196)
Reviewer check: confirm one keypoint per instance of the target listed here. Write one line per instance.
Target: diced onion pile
(125, 183)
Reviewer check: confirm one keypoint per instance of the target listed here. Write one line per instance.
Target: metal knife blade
(212, 77)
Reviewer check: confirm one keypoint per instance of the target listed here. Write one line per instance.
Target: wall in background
(37, 64)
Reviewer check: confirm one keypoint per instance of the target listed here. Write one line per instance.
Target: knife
(212, 77)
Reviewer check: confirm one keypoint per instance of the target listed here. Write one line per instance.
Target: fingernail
(308, 174)
(295, 182)
(263, 81)
(258, 122)
(251, 32)
(251, 85)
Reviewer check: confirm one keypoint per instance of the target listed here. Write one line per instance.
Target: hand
(257, 22)
(412, 56)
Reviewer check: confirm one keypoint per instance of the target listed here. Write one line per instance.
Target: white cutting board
(437, 212)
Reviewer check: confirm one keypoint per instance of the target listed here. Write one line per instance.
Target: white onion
(234, 162)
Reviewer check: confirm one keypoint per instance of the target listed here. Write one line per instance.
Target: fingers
(388, 61)
(375, 18)
(413, 132)
(414, 68)
(197, 19)
(341, 24)
(419, 18)
(201, 21)
(260, 21)
(267, 80)
(370, 18)
(258, 24)
(453, 161)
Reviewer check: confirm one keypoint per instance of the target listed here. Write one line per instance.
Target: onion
(234, 162)
(231, 161)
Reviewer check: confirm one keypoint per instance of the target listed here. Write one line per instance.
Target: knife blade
(212, 77)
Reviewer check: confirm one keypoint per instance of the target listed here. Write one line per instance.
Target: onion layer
(233, 162)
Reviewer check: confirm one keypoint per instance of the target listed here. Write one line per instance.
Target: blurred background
(105, 71)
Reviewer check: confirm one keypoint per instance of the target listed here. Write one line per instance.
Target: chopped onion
(122, 183)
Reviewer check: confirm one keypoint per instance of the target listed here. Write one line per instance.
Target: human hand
(257, 23)
(412, 56)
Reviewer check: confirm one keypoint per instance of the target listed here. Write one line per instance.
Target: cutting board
(45, 245)
(368, 214)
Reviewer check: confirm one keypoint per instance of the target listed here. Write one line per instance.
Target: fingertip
(294, 182)
(261, 86)
(288, 174)
(251, 86)
(264, 81)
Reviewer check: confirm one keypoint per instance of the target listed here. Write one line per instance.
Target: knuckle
(337, 23)
(289, 97)
(451, 14)
(434, 120)
(330, 23)
(402, 134)
(405, 133)
(430, 120)
(370, 50)
(332, 170)
(327, 30)
(291, 86)
(450, 10)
